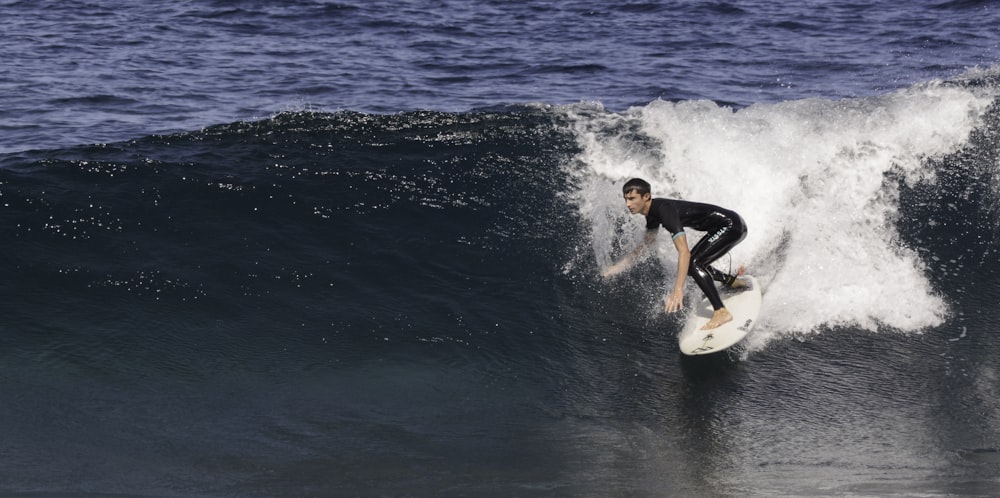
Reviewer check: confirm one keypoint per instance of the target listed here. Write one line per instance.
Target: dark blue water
(343, 249)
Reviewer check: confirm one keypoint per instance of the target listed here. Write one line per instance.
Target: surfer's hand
(674, 302)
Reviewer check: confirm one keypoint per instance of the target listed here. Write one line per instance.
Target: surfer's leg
(710, 248)
(707, 286)
(716, 244)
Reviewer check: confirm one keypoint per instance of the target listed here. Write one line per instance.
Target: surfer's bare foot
(720, 317)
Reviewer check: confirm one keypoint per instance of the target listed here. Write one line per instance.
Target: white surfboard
(743, 303)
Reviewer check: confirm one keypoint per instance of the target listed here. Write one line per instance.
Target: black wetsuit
(724, 230)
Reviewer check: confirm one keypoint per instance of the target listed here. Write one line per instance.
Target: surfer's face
(637, 204)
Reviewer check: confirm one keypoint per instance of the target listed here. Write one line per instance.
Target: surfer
(724, 229)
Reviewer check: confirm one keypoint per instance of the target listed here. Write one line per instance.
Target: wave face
(346, 298)
(355, 217)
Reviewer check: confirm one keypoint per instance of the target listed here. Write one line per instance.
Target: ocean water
(314, 248)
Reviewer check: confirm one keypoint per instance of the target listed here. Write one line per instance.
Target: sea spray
(809, 177)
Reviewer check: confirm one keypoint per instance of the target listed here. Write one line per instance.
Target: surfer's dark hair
(638, 185)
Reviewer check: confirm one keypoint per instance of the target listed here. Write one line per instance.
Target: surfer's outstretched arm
(632, 256)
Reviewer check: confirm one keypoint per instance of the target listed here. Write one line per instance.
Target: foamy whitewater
(811, 179)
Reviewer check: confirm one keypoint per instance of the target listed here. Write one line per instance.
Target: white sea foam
(808, 176)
